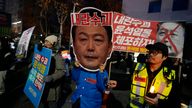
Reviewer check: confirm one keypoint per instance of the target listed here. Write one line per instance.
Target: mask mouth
(90, 57)
(88, 69)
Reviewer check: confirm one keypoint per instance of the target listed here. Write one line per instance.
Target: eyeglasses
(154, 52)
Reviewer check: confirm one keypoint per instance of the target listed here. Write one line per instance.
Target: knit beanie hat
(52, 39)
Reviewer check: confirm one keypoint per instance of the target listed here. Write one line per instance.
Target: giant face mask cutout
(91, 32)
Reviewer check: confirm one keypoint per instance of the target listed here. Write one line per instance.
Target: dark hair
(159, 47)
(91, 12)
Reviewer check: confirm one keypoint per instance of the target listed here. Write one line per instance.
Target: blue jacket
(89, 87)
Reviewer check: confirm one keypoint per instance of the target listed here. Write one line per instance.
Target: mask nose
(91, 46)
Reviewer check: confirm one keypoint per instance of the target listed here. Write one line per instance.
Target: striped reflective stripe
(139, 67)
(138, 89)
(138, 86)
(161, 87)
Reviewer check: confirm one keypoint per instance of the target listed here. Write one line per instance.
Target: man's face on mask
(172, 34)
(91, 46)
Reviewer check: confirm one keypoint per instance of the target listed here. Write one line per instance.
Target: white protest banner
(23, 44)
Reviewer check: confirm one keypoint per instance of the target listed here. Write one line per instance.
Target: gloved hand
(48, 78)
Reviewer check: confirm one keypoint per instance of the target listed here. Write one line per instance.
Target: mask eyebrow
(96, 34)
(82, 33)
(99, 34)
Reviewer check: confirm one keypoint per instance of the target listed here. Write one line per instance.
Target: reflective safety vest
(140, 83)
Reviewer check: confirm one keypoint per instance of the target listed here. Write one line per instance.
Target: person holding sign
(92, 46)
(52, 91)
(153, 84)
